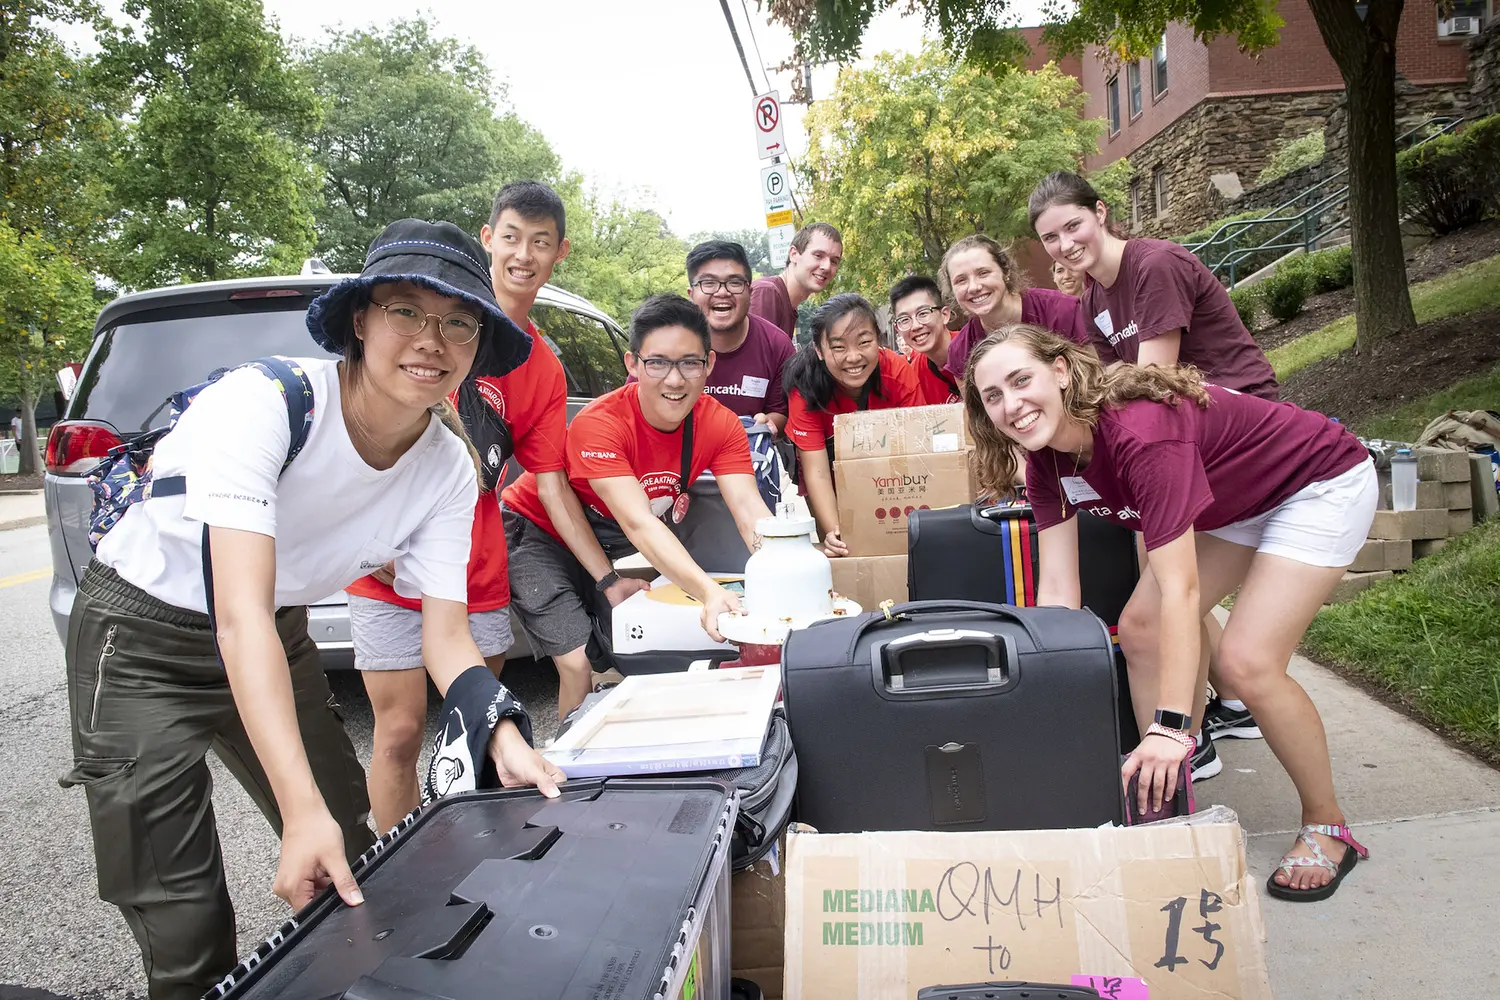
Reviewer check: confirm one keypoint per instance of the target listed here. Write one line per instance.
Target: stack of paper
(650, 724)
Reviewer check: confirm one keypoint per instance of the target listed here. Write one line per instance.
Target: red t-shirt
(812, 429)
(769, 300)
(532, 403)
(1044, 307)
(610, 437)
(1162, 286)
(1160, 469)
(938, 385)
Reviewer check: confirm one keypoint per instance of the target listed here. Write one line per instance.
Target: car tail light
(76, 446)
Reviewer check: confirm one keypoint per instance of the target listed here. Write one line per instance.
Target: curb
(23, 522)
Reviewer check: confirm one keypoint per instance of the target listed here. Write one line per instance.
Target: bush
(1332, 269)
(1246, 301)
(1294, 154)
(1441, 182)
(1286, 290)
(1247, 236)
(1483, 139)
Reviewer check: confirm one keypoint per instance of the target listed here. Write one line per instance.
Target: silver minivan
(149, 344)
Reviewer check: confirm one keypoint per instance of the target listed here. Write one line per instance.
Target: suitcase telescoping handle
(944, 661)
(915, 610)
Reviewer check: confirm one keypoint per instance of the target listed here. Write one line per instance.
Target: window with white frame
(1112, 92)
(1159, 68)
(1135, 203)
(1133, 85)
(1159, 189)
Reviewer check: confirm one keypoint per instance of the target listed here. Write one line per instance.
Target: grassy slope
(1478, 392)
(1468, 289)
(1431, 637)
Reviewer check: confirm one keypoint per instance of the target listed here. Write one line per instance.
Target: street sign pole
(775, 180)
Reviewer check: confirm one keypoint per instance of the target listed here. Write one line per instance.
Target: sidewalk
(1414, 918)
(21, 510)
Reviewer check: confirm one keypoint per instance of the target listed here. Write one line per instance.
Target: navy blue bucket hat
(435, 255)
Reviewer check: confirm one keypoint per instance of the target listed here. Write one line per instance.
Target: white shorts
(389, 637)
(1323, 524)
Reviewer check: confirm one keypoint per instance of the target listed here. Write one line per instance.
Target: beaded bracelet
(1176, 735)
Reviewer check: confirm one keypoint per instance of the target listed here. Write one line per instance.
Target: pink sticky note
(1115, 987)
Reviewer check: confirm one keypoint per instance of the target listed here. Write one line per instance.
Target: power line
(735, 33)
(759, 59)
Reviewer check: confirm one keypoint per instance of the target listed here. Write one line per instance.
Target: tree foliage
(213, 180)
(622, 253)
(918, 150)
(410, 130)
(755, 241)
(46, 315)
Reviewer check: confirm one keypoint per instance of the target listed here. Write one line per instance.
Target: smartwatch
(1173, 720)
(608, 580)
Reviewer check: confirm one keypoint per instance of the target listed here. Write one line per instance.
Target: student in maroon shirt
(1149, 301)
(1154, 302)
(750, 354)
(841, 370)
(918, 314)
(811, 265)
(984, 280)
(1231, 491)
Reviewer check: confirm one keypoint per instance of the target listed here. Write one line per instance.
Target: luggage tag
(680, 507)
(680, 504)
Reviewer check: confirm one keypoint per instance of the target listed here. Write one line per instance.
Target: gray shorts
(551, 591)
(389, 637)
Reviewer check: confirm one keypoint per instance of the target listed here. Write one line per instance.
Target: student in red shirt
(842, 369)
(812, 263)
(918, 314)
(626, 453)
(524, 413)
(1154, 302)
(1231, 492)
(985, 281)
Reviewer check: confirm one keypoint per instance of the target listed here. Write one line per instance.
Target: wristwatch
(608, 580)
(1173, 720)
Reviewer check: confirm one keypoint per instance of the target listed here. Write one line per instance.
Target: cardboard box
(880, 915)
(868, 580)
(876, 495)
(915, 430)
(757, 933)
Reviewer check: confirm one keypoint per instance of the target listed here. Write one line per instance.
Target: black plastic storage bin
(619, 889)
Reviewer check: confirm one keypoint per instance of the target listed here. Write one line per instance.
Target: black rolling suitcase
(952, 715)
(990, 554)
(617, 889)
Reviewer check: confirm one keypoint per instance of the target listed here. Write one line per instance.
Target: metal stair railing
(1307, 219)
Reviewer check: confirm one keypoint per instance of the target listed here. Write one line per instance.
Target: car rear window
(592, 358)
(137, 365)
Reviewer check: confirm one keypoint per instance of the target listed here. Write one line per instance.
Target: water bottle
(1403, 480)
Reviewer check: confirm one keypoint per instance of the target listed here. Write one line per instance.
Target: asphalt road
(56, 938)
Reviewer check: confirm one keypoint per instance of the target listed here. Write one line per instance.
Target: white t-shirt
(334, 518)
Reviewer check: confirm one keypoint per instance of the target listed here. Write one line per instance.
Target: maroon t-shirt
(1161, 287)
(1160, 468)
(748, 378)
(1044, 307)
(769, 300)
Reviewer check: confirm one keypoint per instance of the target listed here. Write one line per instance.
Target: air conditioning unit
(1459, 26)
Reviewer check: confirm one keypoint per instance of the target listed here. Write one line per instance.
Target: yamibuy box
(877, 495)
(879, 916)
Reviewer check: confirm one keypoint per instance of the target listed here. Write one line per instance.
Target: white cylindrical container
(1403, 480)
(788, 579)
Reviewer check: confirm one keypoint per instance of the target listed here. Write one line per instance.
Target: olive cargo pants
(148, 699)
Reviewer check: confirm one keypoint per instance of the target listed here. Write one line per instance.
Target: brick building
(1199, 122)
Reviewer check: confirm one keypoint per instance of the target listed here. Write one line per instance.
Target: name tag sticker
(754, 387)
(1078, 490)
(1105, 324)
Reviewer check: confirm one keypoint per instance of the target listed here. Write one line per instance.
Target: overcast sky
(645, 97)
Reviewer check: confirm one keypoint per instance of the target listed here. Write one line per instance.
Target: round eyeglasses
(407, 319)
(905, 322)
(710, 286)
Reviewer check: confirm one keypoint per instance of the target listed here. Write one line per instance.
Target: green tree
(1361, 38)
(755, 241)
(918, 150)
(46, 314)
(411, 130)
(214, 179)
(622, 253)
(55, 123)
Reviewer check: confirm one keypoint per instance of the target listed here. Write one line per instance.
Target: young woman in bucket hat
(190, 626)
